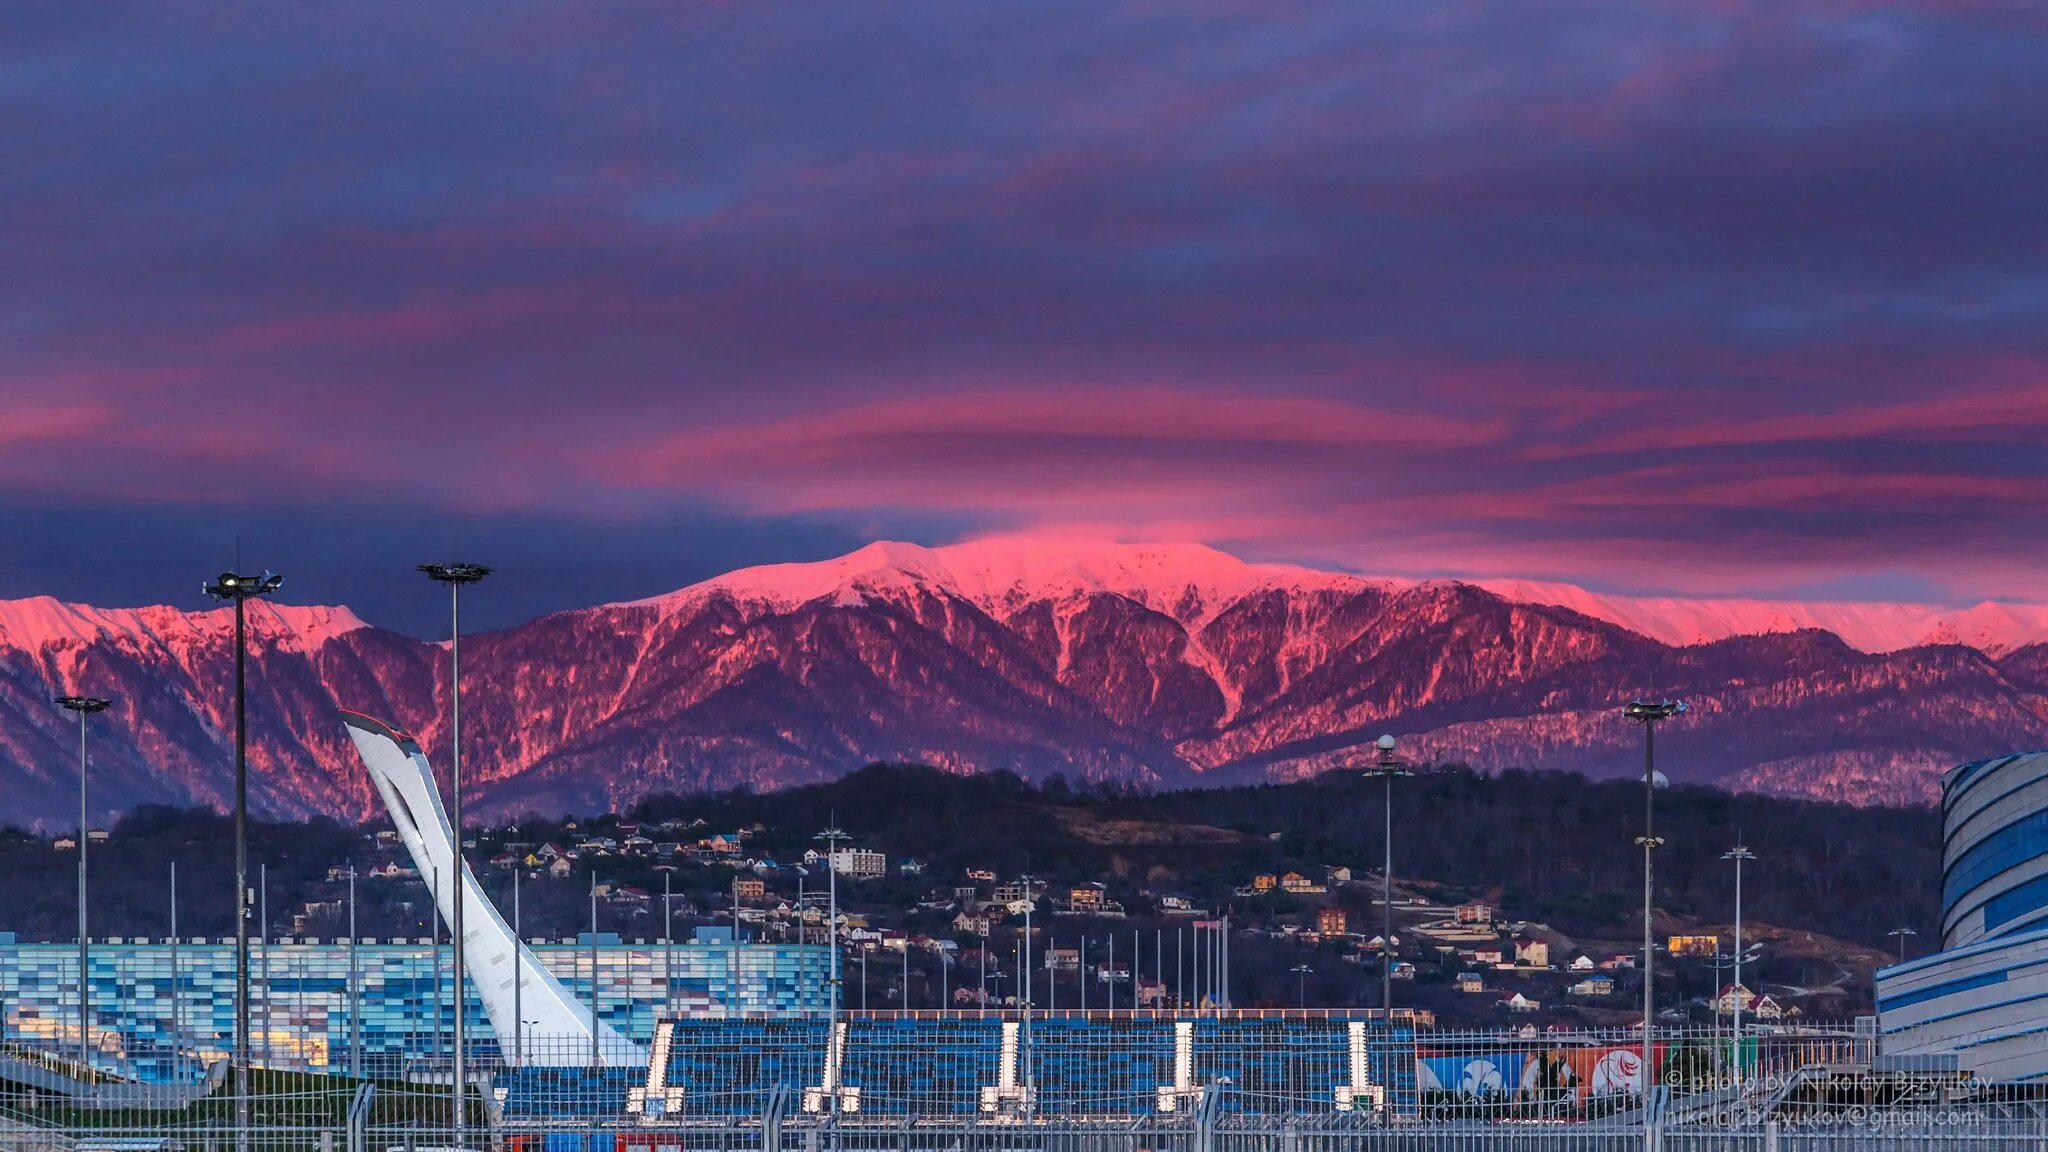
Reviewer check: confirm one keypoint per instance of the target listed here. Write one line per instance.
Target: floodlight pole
(1902, 933)
(1386, 767)
(831, 837)
(240, 589)
(455, 576)
(84, 706)
(1738, 854)
(1649, 714)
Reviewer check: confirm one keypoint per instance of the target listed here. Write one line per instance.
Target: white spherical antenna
(1659, 780)
(1386, 743)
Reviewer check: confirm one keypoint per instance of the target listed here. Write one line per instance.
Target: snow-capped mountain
(1165, 663)
(1872, 626)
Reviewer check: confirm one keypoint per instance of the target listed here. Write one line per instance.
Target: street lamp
(240, 589)
(1649, 714)
(84, 706)
(1739, 854)
(455, 576)
(1386, 767)
(1902, 932)
(1301, 974)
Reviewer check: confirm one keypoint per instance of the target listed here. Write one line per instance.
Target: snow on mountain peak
(41, 621)
(1004, 570)
(1871, 626)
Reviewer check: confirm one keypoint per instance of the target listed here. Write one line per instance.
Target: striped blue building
(1984, 996)
(162, 1010)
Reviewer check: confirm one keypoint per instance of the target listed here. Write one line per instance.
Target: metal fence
(1271, 1081)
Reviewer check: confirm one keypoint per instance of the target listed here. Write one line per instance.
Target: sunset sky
(1709, 296)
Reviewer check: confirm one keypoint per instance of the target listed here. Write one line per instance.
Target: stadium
(1952, 1061)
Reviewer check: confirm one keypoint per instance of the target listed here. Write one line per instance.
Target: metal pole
(177, 1024)
(263, 927)
(242, 1117)
(355, 983)
(1387, 907)
(457, 1083)
(668, 943)
(1738, 968)
(1081, 972)
(518, 981)
(594, 1062)
(1649, 944)
(84, 940)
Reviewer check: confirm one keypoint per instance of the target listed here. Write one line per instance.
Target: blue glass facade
(161, 1010)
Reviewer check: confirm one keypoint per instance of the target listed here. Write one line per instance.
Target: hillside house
(1403, 970)
(1581, 963)
(1475, 913)
(1331, 921)
(750, 888)
(1519, 1003)
(1731, 996)
(1086, 897)
(1598, 984)
(1693, 945)
(1531, 952)
(1297, 884)
(1470, 982)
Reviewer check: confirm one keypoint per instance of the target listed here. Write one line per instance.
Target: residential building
(1403, 970)
(1732, 996)
(1265, 882)
(1331, 921)
(1598, 984)
(1474, 913)
(859, 863)
(1531, 952)
(1086, 897)
(1299, 885)
(1471, 982)
(1519, 1003)
(1693, 945)
(750, 888)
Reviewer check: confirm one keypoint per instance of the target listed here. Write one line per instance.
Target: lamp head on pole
(1386, 761)
(237, 586)
(455, 573)
(1651, 711)
(85, 705)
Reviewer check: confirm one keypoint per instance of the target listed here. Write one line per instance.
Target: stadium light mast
(84, 706)
(832, 838)
(1739, 854)
(455, 575)
(1649, 714)
(1386, 766)
(240, 589)
(1301, 974)
(1902, 932)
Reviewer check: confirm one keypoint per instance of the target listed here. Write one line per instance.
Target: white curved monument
(556, 1029)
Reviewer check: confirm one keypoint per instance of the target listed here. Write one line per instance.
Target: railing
(1242, 1082)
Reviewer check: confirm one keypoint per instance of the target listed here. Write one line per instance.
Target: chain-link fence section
(1132, 1081)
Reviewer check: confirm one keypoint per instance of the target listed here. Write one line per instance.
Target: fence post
(1770, 1136)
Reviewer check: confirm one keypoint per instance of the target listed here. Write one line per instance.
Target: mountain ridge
(1163, 664)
